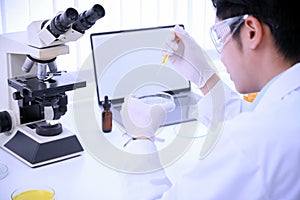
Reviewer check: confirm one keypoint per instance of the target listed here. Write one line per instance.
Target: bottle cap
(107, 103)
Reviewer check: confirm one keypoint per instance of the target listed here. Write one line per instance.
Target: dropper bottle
(106, 116)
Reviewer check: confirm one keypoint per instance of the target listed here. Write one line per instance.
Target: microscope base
(35, 150)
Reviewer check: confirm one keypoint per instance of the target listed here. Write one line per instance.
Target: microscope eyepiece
(61, 23)
(88, 18)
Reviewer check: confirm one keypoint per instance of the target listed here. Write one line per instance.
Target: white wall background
(196, 15)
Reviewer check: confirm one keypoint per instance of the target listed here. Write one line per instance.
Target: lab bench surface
(80, 177)
(83, 177)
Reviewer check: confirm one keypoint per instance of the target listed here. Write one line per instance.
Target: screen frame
(120, 100)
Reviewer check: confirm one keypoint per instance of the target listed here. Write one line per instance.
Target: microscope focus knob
(17, 96)
(5, 122)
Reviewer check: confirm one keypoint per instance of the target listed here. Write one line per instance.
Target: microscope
(33, 91)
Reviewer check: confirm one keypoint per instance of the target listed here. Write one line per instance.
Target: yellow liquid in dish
(35, 195)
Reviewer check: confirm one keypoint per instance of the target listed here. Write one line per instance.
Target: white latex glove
(142, 120)
(188, 58)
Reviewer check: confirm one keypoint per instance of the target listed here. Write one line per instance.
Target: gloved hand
(141, 120)
(188, 57)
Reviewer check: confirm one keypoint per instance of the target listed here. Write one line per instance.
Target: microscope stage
(34, 87)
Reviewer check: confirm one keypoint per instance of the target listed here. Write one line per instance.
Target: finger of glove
(170, 45)
(158, 116)
(125, 116)
(132, 128)
(126, 120)
(138, 112)
(180, 33)
(169, 106)
(124, 109)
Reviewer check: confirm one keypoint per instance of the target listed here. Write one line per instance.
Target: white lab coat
(256, 155)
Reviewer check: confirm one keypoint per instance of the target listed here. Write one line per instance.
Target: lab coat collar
(286, 83)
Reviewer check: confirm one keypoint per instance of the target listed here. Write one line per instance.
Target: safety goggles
(222, 31)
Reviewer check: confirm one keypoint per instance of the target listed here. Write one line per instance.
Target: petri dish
(164, 99)
(3, 171)
(156, 98)
(33, 193)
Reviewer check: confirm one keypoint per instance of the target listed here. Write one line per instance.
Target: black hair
(281, 16)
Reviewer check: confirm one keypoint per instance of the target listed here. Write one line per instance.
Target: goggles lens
(222, 31)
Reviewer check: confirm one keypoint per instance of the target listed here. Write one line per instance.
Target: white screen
(130, 62)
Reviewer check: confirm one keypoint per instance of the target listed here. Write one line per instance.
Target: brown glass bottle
(106, 116)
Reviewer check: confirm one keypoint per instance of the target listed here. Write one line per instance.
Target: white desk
(81, 177)
(77, 178)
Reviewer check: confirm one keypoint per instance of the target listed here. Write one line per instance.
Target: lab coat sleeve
(221, 103)
(155, 184)
(205, 180)
(227, 173)
(148, 184)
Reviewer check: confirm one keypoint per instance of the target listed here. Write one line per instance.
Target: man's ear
(254, 30)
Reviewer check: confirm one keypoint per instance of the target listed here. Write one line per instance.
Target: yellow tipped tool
(165, 59)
